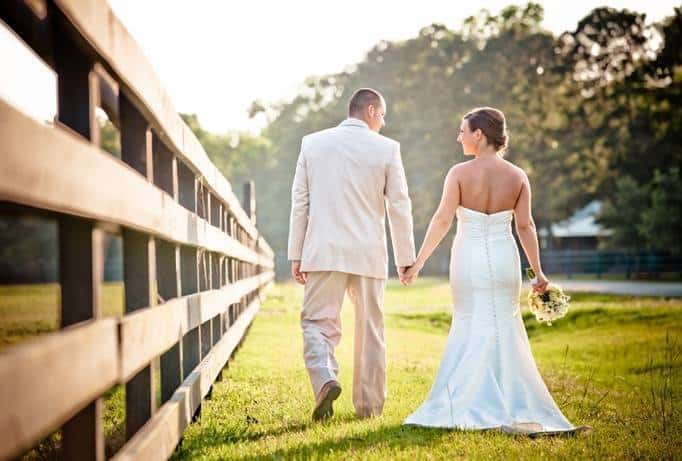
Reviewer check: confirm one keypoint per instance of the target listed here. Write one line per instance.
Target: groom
(337, 244)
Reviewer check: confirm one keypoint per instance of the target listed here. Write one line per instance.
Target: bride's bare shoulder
(517, 170)
(457, 170)
(461, 166)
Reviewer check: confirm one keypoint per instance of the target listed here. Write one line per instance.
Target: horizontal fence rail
(195, 267)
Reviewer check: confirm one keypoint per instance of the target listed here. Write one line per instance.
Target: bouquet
(550, 305)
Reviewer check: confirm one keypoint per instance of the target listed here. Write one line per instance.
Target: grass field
(612, 363)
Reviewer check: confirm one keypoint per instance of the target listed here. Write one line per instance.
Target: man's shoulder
(318, 134)
(335, 133)
(386, 140)
(380, 142)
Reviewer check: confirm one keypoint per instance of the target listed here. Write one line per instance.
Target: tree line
(593, 113)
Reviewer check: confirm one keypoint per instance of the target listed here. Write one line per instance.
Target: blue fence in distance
(631, 264)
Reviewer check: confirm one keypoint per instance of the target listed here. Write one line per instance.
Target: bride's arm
(525, 228)
(440, 222)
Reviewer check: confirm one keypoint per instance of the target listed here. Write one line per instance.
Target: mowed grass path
(612, 363)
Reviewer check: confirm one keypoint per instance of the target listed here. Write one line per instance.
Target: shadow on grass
(395, 437)
(250, 435)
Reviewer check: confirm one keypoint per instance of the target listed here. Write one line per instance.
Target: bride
(487, 378)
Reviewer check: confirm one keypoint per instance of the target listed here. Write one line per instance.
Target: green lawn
(29, 310)
(612, 363)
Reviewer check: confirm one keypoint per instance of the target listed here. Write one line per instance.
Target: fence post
(80, 274)
(80, 242)
(250, 200)
(167, 269)
(139, 262)
(190, 342)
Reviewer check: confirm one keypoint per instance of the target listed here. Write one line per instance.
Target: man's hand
(402, 271)
(401, 274)
(408, 274)
(300, 277)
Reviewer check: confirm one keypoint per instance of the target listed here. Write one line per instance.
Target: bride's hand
(410, 274)
(540, 286)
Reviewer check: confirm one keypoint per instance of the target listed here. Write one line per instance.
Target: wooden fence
(195, 267)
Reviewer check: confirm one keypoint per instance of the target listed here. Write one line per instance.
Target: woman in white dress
(487, 378)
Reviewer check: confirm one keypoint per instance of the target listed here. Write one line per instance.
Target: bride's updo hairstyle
(493, 125)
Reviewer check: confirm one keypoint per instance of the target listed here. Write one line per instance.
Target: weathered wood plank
(149, 332)
(82, 245)
(163, 165)
(77, 85)
(136, 139)
(109, 38)
(33, 406)
(139, 272)
(265, 248)
(126, 62)
(94, 184)
(159, 437)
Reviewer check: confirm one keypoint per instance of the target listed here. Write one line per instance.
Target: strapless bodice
(476, 224)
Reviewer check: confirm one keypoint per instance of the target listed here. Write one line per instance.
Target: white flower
(550, 305)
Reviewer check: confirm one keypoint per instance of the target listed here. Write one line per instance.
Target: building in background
(579, 232)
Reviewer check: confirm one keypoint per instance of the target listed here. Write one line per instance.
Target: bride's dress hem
(515, 429)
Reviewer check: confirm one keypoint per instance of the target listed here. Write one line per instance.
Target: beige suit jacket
(346, 178)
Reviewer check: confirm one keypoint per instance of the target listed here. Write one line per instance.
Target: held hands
(300, 277)
(408, 274)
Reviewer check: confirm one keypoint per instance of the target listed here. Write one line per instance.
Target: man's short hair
(363, 98)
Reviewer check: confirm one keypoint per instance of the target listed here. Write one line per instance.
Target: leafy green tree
(622, 213)
(661, 222)
(592, 113)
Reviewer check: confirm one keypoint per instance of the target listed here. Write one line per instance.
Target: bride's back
(489, 184)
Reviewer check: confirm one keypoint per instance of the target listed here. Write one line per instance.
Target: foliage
(647, 213)
(661, 223)
(622, 213)
(585, 110)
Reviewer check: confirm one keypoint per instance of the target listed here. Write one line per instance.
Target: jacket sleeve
(298, 221)
(399, 209)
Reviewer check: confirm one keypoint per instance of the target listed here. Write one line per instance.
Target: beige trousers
(321, 323)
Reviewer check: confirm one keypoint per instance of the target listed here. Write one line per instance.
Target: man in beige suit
(346, 177)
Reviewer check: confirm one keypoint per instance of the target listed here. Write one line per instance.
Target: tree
(661, 221)
(592, 113)
(622, 213)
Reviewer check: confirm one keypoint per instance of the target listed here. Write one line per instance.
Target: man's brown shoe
(324, 407)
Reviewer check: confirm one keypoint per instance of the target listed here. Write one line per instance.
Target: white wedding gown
(488, 377)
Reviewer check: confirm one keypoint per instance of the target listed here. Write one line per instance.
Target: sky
(216, 57)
